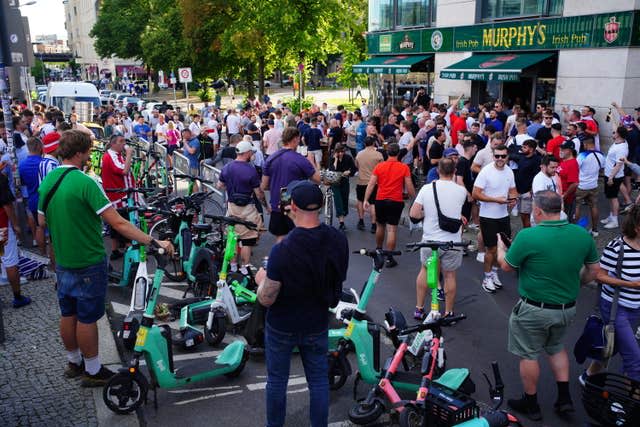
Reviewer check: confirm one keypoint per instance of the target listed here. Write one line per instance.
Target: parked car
(129, 102)
(104, 96)
(267, 83)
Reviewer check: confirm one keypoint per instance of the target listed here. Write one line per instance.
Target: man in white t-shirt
(271, 138)
(484, 157)
(161, 130)
(614, 174)
(547, 179)
(590, 162)
(451, 198)
(233, 123)
(495, 188)
(406, 143)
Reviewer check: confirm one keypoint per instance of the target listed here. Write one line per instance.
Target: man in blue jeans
(303, 274)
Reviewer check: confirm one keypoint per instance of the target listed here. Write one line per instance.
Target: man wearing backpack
(303, 279)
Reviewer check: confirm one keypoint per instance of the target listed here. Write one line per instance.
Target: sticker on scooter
(349, 330)
(142, 337)
(419, 341)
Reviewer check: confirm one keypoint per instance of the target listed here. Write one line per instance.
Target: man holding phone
(495, 189)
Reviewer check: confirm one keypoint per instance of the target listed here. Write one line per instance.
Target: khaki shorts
(533, 330)
(525, 203)
(450, 260)
(245, 213)
(589, 196)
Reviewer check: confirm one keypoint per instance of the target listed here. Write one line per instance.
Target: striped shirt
(629, 297)
(47, 164)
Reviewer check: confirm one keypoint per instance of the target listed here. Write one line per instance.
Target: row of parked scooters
(217, 300)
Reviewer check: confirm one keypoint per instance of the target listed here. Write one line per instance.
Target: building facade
(80, 17)
(561, 52)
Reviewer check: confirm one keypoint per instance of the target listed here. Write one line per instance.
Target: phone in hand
(505, 239)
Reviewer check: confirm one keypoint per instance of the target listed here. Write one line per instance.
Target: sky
(45, 17)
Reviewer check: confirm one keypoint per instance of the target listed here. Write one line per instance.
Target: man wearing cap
(303, 279)
(548, 284)
(241, 181)
(434, 173)
(282, 167)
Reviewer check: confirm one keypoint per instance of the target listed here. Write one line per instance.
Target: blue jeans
(82, 291)
(313, 350)
(626, 344)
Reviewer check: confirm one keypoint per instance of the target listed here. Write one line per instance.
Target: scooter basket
(446, 407)
(612, 399)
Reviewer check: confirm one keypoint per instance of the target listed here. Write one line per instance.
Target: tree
(119, 27)
(38, 71)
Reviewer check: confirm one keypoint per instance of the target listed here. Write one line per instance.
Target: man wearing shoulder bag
(439, 206)
(548, 284)
(619, 298)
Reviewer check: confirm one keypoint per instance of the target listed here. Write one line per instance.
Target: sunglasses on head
(500, 156)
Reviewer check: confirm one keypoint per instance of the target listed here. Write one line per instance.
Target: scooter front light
(132, 370)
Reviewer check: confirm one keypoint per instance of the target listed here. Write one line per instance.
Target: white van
(65, 94)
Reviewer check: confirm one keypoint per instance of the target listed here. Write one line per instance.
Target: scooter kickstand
(155, 398)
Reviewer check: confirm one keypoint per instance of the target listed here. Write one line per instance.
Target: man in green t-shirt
(548, 258)
(73, 206)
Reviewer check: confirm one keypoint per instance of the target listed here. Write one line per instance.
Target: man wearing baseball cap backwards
(303, 279)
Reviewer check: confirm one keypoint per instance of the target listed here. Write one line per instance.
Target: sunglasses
(548, 118)
(500, 156)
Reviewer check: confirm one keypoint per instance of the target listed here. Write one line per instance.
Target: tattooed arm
(268, 292)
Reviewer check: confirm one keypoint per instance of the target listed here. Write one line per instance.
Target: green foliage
(37, 69)
(163, 47)
(204, 94)
(119, 27)
(294, 103)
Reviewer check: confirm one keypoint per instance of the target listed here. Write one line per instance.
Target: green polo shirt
(73, 218)
(549, 258)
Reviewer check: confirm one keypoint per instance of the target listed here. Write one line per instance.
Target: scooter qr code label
(142, 337)
(349, 330)
(126, 334)
(189, 342)
(418, 342)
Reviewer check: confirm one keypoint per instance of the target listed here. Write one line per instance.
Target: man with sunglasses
(543, 135)
(495, 188)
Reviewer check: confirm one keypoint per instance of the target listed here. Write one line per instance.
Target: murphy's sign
(575, 32)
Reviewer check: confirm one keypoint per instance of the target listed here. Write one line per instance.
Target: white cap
(245, 146)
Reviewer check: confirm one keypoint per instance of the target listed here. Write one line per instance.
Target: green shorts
(533, 329)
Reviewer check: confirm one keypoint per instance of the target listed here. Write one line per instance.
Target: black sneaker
(361, 224)
(449, 315)
(391, 262)
(73, 371)
(440, 294)
(373, 228)
(563, 408)
(99, 379)
(530, 411)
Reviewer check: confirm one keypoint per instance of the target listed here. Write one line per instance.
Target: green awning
(505, 67)
(396, 64)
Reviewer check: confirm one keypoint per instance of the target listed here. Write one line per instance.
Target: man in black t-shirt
(228, 154)
(528, 168)
(436, 150)
(304, 274)
(543, 135)
(464, 175)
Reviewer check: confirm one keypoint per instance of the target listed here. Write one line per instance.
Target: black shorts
(490, 227)
(171, 148)
(362, 189)
(612, 191)
(388, 212)
(466, 210)
(248, 242)
(280, 224)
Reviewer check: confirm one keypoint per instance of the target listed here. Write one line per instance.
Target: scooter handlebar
(131, 190)
(496, 375)
(371, 253)
(231, 221)
(434, 244)
(442, 321)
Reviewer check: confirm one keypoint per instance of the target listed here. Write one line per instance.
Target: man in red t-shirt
(569, 172)
(116, 173)
(458, 124)
(553, 145)
(391, 177)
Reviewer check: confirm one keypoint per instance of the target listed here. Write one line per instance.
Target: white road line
(262, 386)
(212, 396)
(302, 390)
(198, 390)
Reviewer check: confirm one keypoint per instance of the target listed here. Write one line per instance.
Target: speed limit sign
(184, 74)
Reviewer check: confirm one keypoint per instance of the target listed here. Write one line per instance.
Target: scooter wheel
(411, 417)
(215, 335)
(366, 413)
(338, 371)
(124, 393)
(236, 372)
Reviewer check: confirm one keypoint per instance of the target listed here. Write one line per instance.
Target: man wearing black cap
(303, 279)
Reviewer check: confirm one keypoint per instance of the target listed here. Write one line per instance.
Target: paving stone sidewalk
(33, 389)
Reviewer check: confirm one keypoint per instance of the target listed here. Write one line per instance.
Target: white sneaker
(496, 280)
(594, 233)
(488, 285)
(611, 224)
(480, 257)
(607, 220)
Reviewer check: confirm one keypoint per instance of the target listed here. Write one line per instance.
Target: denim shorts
(82, 291)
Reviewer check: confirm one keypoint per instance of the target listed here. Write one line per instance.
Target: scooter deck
(196, 367)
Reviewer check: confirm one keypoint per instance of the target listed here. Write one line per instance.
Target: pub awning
(396, 64)
(505, 67)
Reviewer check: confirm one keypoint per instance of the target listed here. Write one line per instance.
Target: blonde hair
(170, 124)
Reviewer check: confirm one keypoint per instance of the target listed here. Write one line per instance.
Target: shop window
(500, 9)
(380, 15)
(413, 13)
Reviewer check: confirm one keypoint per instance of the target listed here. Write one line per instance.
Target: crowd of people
(459, 167)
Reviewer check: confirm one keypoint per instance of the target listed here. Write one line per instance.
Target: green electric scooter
(127, 390)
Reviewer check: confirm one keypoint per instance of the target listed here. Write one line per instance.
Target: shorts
(589, 196)
(248, 242)
(612, 191)
(81, 291)
(11, 256)
(533, 330)
(388, 212)
(450, 260)
(361, 190)
(246, 213)
(627, 171)
(317, 155)
(280, 224)
(466, 210)
(525, 203)
(490, 227)
(171, 148)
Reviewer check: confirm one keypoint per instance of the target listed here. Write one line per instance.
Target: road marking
(211, 396)
(198, 390)
(298, 391)
(262, 386)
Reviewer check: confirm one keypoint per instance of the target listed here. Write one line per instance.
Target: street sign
(185, 75)
(172, 80)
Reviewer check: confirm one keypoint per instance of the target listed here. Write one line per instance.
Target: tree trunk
(302, 78)
(249, 76)
(261, 77)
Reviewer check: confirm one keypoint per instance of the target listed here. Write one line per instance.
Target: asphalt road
(472, 343)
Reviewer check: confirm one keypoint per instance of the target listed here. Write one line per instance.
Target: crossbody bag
(451, 225)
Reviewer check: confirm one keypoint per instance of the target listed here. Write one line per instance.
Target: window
(412, 13)
(498, 9)
(380, 15)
